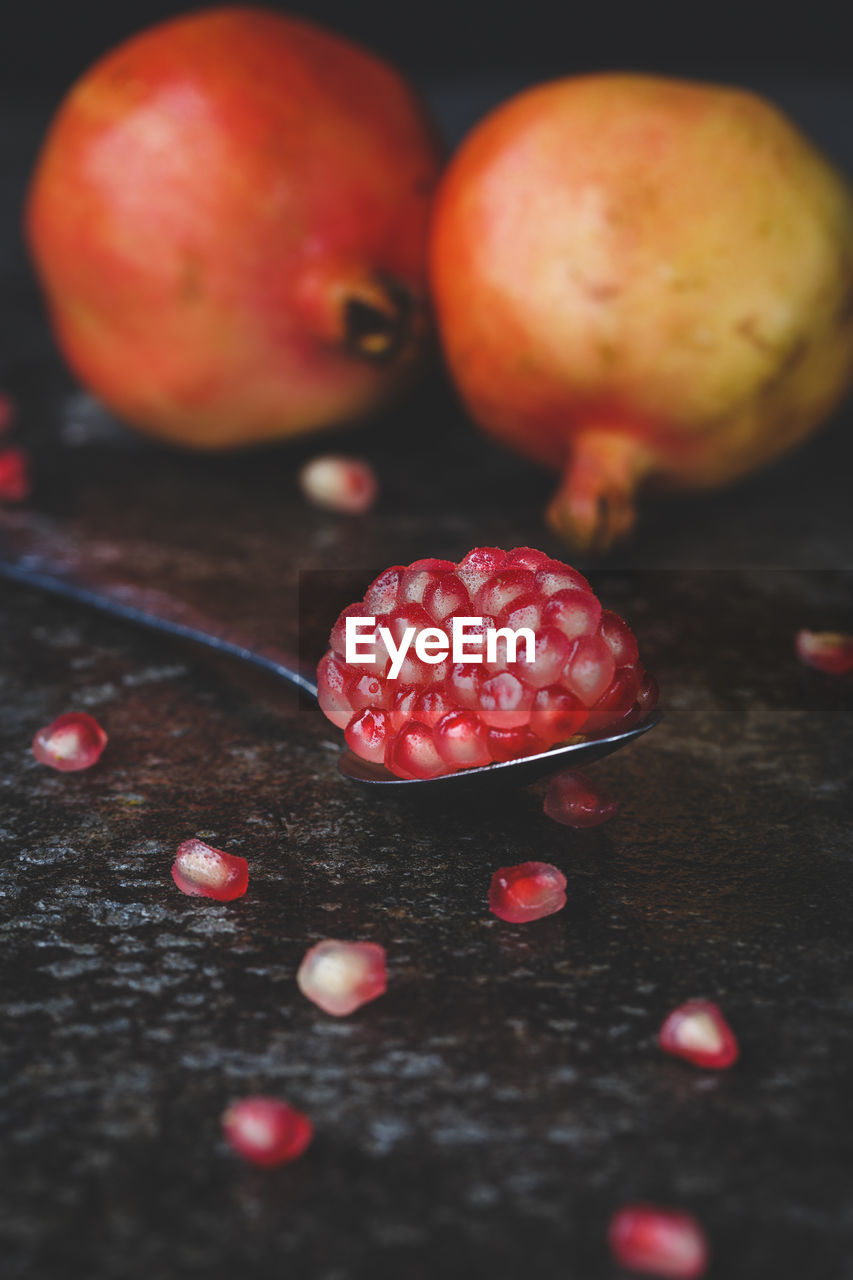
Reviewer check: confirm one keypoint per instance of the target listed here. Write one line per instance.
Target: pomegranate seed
(204, 872)
(527, 892)
(72, 742)
(698, 1032)
(827, 650)
(585, 675)
(658, 1242)
(340, 484)
(7, 412)
(266, 1131)
(14, 475)
(342, 976)
(576, 802)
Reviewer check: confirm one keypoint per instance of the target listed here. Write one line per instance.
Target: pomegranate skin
(229, 219)
(641, 279)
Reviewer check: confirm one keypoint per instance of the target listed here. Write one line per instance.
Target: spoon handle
(29, 555)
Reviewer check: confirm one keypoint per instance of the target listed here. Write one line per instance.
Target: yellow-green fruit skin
(640, 278)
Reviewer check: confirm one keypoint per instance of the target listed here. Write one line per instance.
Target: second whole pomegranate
(641, 279)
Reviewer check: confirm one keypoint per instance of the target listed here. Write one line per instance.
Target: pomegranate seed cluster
(411, 707)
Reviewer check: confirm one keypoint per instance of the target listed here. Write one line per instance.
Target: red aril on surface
(575, 801)
(15, 482)
(340, 977)
(430, 714)
(527, 892)
(205, 872)
(698, 1032)
(73, 741)
(266, 1131)
(348, 485)
(830, 651)
(658, 1242)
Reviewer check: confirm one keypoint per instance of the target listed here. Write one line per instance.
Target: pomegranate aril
(556, 715)
(589, 670)
(382, 594)
(551, 653)
(333, 678)
(505, 701)
(618, 635)
(525, 611)
(204, 872)
(479, 565)
(446, 595)
(412, 753)
(529, 891)
(528, 558)
(658, 1242)
(556, 576)
(501, 589)
(615, 702)
(421, 575)
(509, 744)
(341, 484)
(462, 741)
(829, 651)
(367, 735)
(698, 1032)
(72, 742)
(266, 1131)
(15, 482)
(368, 691)
(340, 977)
(464, 684)
(368, 641)
(573, 800)
(429, 706)
(574, 612)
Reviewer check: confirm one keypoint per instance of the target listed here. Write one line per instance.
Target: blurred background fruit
(228, 218)
(642, 279)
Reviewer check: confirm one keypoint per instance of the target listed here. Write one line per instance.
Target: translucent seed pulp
(340, 977)
(15, 483)
(266, 1131)
(698, 1032)
(585, 675)
(829, 651)
(73, 741)
(347, 485)
(527, 892)
(658, 1242)
(575, 801)
(204, 872)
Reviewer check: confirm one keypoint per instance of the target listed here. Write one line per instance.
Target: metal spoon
(30, 554)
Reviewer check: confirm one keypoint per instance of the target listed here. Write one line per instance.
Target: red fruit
(658, 1242)
(72, 742)
(342, 976)
(426, 714)
(698, 1032)
(575, 801)
(204, 872)
(527, 892)
(570, 252)
(15, 483)
(829, 651)
(340, 484)
(266, 1131)
(229, 220)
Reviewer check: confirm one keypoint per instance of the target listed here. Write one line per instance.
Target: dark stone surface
(486, 1116)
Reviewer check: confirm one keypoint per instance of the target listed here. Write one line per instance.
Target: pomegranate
(229, 220)
(447, 666)
(642, 279)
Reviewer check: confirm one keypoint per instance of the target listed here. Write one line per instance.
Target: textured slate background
(485, 1117)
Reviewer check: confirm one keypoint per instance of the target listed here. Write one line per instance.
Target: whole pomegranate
(642, 278)
(229, 219)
